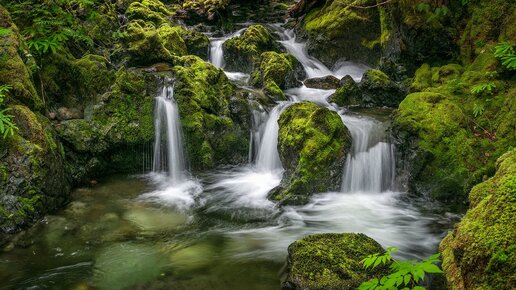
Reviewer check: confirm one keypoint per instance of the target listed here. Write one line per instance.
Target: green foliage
(50, 26)
(484, 88)
(404, 274)
(505, 53)
(7, 127)
(478, 109)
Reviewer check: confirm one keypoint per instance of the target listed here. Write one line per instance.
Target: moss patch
(480, 252)
(275, 73)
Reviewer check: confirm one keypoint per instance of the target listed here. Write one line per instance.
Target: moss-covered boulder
(337, 31)
(479, 253)
(377, 89)
(13, 70)
(324, 83)
(450, 135)
(205, 8)
(348, 94)
(276, 72)
(312, 143)
(242, 53)
(215, 119)
(32, 171)
(149, 10)
(331, 261)
(115, 128)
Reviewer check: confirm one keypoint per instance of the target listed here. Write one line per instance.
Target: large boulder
(13, 71)
(331, 261)
(348, 94)
(215, 119)
(115, 129)
(312, 143)
(242, 53)
(479, 253)
(337, 31)
(32, 171)
(276, 72)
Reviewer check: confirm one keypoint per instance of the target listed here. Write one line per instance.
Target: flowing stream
(167, 229)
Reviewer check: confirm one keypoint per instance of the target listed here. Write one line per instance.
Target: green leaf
(430, 268)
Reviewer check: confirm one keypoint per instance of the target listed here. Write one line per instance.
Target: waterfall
(168, 147)
(216, 51)
(370, 164)
(267, 158)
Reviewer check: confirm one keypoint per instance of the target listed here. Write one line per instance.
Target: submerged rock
(324, 83)
(312, 144)
(151, 221)
(479, 253)
(331, 261)
(242, 53)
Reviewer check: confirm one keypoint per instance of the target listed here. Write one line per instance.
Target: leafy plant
(455, 86)
(404, 275)
(505, 53)
(478, 109)
(52, 25)
(7, 127)
(487, 88)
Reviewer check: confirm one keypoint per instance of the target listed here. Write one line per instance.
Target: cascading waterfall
(216, 51)
(370, 165)
(267, 158)
(168, 147)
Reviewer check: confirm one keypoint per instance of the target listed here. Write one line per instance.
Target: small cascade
(313, 67)
(267, 158)
(168, 146)
(370, 164)
(216, 51)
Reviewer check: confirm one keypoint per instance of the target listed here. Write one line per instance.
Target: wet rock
(276, 72)
(348, 94)
(331, 261)
(64, 113)
(312, 144)
(323, 83)
(242, 53)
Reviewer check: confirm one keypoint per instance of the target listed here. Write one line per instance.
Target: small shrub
(404, 274)
(505, 53)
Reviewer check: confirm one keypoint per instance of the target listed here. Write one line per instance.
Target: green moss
(480, 253)
(312, 144)
(13, 70)
(148, 10)
(205, 7)
(275, 72)
(331, 261)
(243, 52)
(205, 98)
(147, 44)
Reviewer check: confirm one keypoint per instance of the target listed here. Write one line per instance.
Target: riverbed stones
(331, 261)
(312, 144)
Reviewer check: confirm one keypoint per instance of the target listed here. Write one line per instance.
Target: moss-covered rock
(348, 94)
(338, 31)
(32, 171)
(215, 120)
(148, 10)
(324, 83)
(205, 8)
(276, 72)
(450, 137)
(379, 90)
(13, 70)
(242, 53)
(331, 261)
(312, 144)
(480, 253)
(115, 124)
